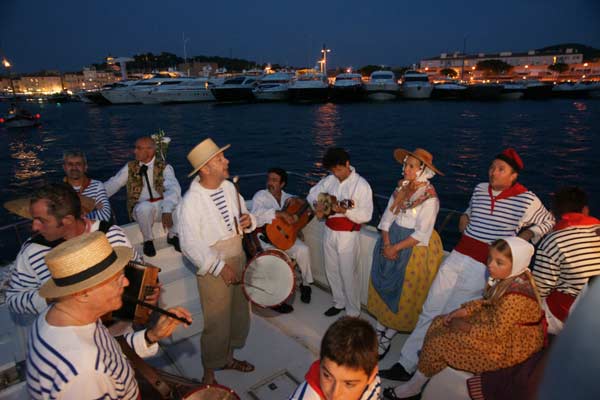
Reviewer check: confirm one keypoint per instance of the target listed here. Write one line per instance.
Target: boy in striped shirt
(568, 257)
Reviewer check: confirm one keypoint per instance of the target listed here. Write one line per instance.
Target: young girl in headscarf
(501, 330)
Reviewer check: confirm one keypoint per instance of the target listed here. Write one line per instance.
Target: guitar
(283, 234)
(327, 201)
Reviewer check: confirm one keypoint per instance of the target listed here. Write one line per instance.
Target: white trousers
(340, 250)
(459, 279)
(146, 214)
(555, 325)
(301, 253)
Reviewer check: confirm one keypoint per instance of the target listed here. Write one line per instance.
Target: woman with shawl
(501, 330)
(408, 253)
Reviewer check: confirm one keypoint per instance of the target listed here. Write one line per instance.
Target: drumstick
(132, 299)
(235, 180)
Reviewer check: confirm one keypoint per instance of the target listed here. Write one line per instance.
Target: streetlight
(8, 65)
(323, 61)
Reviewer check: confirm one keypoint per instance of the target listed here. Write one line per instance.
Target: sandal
(389, 394)
(384, 344)
(239, 365)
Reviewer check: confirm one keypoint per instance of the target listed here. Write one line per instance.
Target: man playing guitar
(342, 228)
(269, 204)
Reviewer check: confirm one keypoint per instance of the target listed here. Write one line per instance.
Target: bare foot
(209, 377)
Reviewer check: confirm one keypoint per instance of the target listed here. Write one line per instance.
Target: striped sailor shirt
(508, 217)
(81, 362)
(566, 259)
(96, 191)
(30, 272)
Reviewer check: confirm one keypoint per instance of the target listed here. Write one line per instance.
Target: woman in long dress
(408, 253)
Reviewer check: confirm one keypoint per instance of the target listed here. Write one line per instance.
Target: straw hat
(203, 153)
(82, 263)
(420, 154)
(21, 206)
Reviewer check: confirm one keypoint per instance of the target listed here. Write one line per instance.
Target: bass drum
(211, 392)
(268, 278)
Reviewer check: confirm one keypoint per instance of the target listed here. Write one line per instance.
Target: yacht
(119, 92)
(571, 90)
(309, 86)
(537, 90)
(382, 85)
(143, 90)
(449, 90)
(512, 90)
(348, 86)
(236, 89)
(273, 87)
(187, 91)
(416, 85)
(95, 96)
(484, 91)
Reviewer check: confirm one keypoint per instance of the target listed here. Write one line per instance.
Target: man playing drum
(212, 216)
(266, 205)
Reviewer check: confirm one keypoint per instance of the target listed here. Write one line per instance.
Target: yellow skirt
(420, 272)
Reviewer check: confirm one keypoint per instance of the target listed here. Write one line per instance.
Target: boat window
(382, 76)
(170, 83)
(416, 79)
(146, 84)
(234, 81)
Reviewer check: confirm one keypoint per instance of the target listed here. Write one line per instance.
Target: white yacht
(348, 86)
(273, 87)
(143, 90)
(416, 85)
(449, 90)
(119, 92)
(187, 91)
(309, 86)
(382, 85)
(236, 89)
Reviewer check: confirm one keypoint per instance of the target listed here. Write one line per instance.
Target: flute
(142, 303)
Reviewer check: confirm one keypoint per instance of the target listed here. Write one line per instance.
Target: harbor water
(558, 139)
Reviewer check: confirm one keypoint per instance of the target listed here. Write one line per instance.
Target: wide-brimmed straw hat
(82, 263)
(420, 154)
(21, 206)
(203, 153)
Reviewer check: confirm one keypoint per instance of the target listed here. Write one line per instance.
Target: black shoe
(396, 373)
(174, 241)
(283, 308)
(331, 311)
(305, 292)
(149, 249)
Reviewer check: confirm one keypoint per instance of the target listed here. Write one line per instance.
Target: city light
(5, 63)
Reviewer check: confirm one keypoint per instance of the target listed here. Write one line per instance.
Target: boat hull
(417, 92)
(230, 95)
(484, 92)
(538, 92)
(448, 94)
(348, 93)
(309, 95)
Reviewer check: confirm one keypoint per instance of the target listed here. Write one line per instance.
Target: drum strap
(145, 370)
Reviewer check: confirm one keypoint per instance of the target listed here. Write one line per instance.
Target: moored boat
(236, 89)
(348, 86)
(382, 86)
(449, 91)
(512, 90)
(536, 90)
(273, 87)
(309, 86)
(484, 91)
(416, 85)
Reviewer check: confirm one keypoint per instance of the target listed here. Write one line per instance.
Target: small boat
(273, 87)
(237, 89)
(571, 90)
(19, 118)
(382, 86)
(449, 90)
(348, 87)
(512, 90)
(309, 86)
(416, 85)
(537, 90)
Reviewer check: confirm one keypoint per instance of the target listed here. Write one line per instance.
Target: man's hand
(336, 208)
(245, 221)
(458, 313)
(152, 297)
(463, 222)
(527, 234)
(228, 275)
(166, 325)
(167, 220)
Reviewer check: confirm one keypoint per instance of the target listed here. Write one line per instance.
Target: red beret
(511, 157)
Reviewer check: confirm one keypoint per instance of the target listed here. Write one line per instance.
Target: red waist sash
(342, 224)
(473, 248)
(154, 200)
(560, 304)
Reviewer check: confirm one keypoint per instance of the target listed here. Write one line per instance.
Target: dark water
(559, 141)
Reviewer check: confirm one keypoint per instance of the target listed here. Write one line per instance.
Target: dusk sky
(67, 35)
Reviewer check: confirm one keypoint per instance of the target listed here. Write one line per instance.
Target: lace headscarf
(405, 197)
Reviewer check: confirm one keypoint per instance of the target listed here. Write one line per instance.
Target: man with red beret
(499, 208)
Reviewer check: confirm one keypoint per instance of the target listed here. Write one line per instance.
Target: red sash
(312, 378)
(560, 304)
(473, 248)
(342, 224)
(154, 200)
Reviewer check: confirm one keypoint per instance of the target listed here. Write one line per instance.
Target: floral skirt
(420, 272)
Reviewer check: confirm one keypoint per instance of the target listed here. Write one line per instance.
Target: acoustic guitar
(327, 201)
(283, 234)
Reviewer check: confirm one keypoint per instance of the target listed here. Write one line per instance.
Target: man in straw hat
(342, 229)
(75, 167)
(56, 213)
(213, 217)
(71, 353)
(499, 208)
(152, 192)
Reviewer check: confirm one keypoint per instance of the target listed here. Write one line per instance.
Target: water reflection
(326, 130)
(29, 165)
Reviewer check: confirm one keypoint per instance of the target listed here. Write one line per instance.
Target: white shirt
(171, 194)
(420, 218)
(201, 225)
(354, 187)
(264, 206)
(81, 362)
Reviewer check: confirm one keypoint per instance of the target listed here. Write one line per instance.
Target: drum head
(269, 278)
(212, 392)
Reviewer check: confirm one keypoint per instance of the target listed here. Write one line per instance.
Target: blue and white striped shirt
(30, 272)
(96, 191)
(509, 216)
(81, 362)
